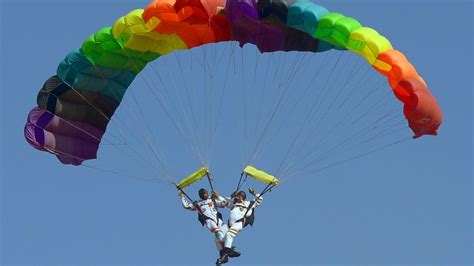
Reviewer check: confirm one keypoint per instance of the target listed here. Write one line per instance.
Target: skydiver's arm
(257, 201)
(221, 202)
(187, 205)
(229, 203)
(253, 204)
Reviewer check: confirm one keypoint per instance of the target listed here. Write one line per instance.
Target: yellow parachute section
(261, 175)
(196, 176)
(136, 34)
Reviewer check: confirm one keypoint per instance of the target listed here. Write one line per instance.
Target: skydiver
(239, 208)
(208, 214)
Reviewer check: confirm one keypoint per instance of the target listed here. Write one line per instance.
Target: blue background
(407, 205)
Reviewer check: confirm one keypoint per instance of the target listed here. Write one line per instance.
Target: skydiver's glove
(252, 191)
(233, 194)
(214, 195)
(180, 194)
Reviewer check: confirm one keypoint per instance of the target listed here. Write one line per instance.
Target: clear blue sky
(410, 204)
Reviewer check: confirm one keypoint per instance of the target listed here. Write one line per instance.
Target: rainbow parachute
(76, 105)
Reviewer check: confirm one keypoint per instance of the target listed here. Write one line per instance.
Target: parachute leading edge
(196, 176)
(261, 175)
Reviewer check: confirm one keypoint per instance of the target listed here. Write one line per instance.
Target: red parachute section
(420, 107)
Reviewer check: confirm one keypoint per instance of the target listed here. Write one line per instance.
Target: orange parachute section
(421, 108)
(195, 22)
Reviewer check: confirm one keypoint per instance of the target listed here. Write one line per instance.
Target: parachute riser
(210, 181)
(190, 199)
(239, 185)
(268, 188)
(184, 193)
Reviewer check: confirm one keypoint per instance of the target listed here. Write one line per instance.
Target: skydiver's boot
(224, 256)
(233, 253)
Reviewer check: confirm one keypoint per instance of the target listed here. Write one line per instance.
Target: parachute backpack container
(192, 178)
(261, 176)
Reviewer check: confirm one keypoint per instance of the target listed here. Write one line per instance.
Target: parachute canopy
(194, 177)
(261, 175)
(90, 82)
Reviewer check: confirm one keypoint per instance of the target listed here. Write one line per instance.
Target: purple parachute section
(71, 141)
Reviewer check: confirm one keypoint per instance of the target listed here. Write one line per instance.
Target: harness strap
(202, 218)
(246, 220)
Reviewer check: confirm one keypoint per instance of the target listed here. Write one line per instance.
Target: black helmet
(203, 191)
(242, 194)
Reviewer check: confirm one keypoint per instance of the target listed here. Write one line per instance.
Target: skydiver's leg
(228, 251)
(218, 243)
(231, 233)
(224, 229)
(215, 229)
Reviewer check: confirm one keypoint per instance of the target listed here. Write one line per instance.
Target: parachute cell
(72, 142)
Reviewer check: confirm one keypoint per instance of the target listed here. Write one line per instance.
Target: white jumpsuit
(212, 222)
(237, 212)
